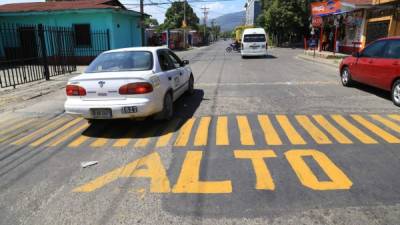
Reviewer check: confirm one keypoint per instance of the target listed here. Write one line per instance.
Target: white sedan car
(130, 83)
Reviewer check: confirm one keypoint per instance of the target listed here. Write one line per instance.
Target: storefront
(342, 25)
(383, 20)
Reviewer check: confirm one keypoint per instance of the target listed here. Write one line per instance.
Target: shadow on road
(373, 90)
(185, 107)
(260, 57)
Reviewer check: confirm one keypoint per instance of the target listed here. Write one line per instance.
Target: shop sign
(325, 8)
(316, 21)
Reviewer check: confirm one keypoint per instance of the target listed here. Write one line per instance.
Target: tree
(149, 22)
(174, 16)
(285, 20)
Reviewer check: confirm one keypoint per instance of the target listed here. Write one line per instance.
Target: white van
(254, 42)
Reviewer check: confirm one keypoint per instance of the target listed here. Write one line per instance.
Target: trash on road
(88, 163)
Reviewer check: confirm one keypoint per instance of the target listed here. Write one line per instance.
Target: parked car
(376, 65)
(130, 82)
(254, 42)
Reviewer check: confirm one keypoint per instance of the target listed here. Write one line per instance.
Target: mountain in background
(229, 21)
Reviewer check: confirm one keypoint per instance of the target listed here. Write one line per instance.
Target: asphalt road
(273, 140)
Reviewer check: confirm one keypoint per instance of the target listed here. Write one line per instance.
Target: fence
(35, 52)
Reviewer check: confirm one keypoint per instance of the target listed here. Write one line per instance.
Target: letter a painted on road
(149, 166)
(339, 180)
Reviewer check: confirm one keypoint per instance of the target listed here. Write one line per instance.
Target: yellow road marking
(246, 137)
(56, 132)
(202, 132)
(364, 138)
(122, 142)
(184, 134)
(77, 142)
(189, 178)
(395, 117)
(50, 125)
(386, 122)
(314, 131)
(222, 136)
(264, 179)
(17, 126)
(149, 166)
(339, 136)
(68, 135)
(375, 129)
(289, 130)
(167, 134)
(99, 142)
(11, 134)
(270, 134)
(338, 179)
(143, 142)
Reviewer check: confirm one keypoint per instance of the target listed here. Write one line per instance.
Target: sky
(217, 8)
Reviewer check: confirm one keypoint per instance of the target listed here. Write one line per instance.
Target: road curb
(318, 60)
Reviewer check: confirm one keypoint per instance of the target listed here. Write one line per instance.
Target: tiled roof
(359, 2)
(61, 5)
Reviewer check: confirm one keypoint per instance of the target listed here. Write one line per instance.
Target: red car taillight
(75, 90)
(135, 88)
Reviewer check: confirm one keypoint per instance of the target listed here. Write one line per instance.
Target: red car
(377, 65)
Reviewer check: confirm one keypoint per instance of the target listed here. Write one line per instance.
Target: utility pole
(142, 22)
(205, 12)
(212, 29)
(184, 23)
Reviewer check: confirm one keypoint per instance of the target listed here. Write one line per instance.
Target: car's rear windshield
(254, 38)
(121, 61)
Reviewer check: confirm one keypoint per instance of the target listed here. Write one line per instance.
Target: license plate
(129, 109)
(101, 113)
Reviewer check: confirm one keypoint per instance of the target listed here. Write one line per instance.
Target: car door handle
(169, 78)
(370, 61)
(395, 63)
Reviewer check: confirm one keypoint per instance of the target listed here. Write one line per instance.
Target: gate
(34, 52)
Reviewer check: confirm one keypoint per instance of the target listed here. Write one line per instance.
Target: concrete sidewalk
(330, 62)
(325, 54)
(11, 98)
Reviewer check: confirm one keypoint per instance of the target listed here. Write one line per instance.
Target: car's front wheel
(396, 93)
(346, 77)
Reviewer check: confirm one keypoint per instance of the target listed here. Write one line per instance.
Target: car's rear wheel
(346, 77)
(168, 108)
(396, 93)
(190, 90)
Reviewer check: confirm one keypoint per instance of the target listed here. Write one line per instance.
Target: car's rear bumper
(145, 107)
(254, 53)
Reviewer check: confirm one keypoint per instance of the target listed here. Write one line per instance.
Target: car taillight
(75, 90)
(135, 88)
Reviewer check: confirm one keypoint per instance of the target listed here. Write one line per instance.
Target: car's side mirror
(185, 62)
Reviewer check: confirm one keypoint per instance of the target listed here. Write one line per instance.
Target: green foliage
(285, 20)
(149, 22)
(174, 16)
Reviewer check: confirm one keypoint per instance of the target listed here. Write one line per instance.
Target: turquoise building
(97, 25)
